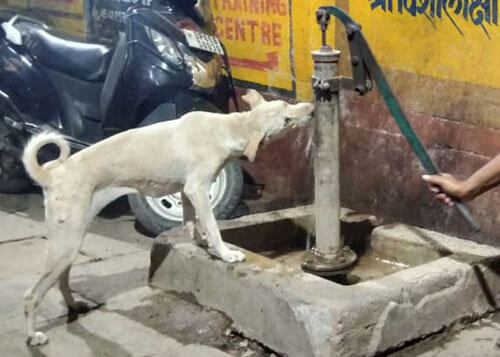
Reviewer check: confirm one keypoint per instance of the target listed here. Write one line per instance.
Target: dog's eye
(288, 121)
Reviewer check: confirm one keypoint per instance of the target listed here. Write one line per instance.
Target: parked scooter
(164, 65)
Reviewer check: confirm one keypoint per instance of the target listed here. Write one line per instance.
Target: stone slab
(400, 240)
(12, 290)
(105, 279)
(26, 256)
(478, 339)
(21, 262)
(30, 204)
(121, 228)
(101, 333)
(15, 227)
(99, 247)
(299, 314)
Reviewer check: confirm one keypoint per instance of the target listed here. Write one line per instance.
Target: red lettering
(244, 30)
(265, 31)
(276, 34)
(254, 6)
(276, 7)
(239, 29)
(283, 9)
(226, 5)
(271, 6)
(253, 24)
(219, 23)
(238, 5)
(229, 28)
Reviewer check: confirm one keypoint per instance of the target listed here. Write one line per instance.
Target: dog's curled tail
(41, 174)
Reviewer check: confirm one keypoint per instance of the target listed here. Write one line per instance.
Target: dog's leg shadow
(35, 351)
(81, 307)
(98, 345)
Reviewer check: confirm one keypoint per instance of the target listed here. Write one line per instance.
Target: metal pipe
(326, 160)
(329, 256)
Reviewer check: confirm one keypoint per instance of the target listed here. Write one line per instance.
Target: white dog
(193, 148)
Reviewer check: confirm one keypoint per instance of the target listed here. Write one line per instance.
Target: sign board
(256, 34)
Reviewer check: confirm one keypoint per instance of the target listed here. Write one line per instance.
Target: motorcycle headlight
(166, 47)
(205, 74)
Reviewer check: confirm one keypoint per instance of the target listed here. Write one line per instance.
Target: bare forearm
(485, 178)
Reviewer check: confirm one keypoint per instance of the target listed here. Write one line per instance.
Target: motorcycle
(164, 64)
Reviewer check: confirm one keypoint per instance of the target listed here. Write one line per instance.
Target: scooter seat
(86, 61)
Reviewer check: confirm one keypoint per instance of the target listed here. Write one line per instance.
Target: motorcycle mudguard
(27, 89)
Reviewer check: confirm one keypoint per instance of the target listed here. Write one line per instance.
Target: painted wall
(445, 41)
(440, 59)
(68, 15)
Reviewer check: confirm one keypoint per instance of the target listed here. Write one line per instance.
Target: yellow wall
(457, 43)
(307, 38)
(270, 42)
(446, 47)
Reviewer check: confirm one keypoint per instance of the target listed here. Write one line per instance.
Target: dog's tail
(41, 174)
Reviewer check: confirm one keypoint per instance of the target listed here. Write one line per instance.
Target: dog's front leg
(198, 195)
(189, 220)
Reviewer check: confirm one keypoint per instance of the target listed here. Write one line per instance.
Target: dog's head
(277, 116)
(271, 119)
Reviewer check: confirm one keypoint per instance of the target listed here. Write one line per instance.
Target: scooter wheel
(156, 215)
(13, 178)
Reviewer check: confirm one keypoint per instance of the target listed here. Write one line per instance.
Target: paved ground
(130, 319)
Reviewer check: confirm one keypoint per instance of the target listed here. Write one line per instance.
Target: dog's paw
(232, 256)
(39, 338)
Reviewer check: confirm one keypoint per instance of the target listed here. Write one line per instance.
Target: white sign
(203, 41)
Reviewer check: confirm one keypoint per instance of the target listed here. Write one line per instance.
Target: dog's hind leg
(66, 229)
(198, 195)
(58, 261)
(71, 303)
(100, 199)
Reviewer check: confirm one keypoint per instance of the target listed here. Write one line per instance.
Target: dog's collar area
(253, 145)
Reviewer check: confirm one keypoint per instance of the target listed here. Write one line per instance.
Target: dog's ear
(253, 98)
(253, 145)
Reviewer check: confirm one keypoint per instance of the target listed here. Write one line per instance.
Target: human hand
(446, 187)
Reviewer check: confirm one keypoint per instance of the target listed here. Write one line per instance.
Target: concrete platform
(437, 280)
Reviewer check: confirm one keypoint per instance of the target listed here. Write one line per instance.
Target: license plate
(203, 41)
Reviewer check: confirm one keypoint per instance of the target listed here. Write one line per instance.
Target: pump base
(319, 263)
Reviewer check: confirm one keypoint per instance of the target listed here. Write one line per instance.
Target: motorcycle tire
(14, 184)
(13, 177)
